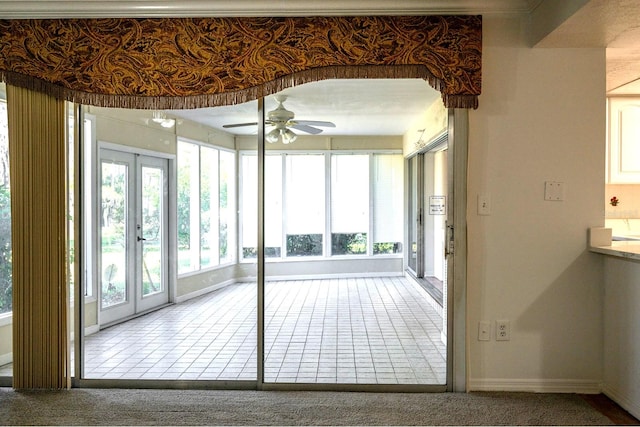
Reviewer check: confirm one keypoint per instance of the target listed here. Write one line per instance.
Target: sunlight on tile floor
(351, 330)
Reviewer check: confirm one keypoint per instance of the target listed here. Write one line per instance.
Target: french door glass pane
(152, 220)
(114, 233)
(349, 204)
(388, 176)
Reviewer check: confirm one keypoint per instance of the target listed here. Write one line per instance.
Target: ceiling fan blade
(237, 125)
(306, 128)
(314, 123)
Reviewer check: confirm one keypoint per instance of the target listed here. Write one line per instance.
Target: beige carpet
(216, 407)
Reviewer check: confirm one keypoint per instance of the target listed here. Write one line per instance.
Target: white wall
(541, 118)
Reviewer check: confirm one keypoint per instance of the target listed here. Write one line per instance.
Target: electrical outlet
(503, 330)
(484, 330)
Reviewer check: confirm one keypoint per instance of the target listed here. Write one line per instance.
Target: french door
(133, 238)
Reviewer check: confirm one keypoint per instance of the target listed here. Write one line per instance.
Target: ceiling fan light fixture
(288, 136)
(161, 118)
(272, 137)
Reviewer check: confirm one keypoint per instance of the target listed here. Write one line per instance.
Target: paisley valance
(201, 62)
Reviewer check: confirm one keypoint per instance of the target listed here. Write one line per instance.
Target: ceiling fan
(283, 119)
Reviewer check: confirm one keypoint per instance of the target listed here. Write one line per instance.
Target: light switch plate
(484, 330)
(484, 204)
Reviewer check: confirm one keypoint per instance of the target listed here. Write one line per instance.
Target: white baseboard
(203, 291)
(333, 276)
(536, 385)
(91, 330)
(624, 401)
(6, 358)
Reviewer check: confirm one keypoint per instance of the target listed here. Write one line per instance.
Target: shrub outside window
(349, 204)
(205, 200)
(365, 216)
(388, 199)
(5, 215)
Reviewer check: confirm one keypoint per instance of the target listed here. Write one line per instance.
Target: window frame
(326, 237)
(231, 241)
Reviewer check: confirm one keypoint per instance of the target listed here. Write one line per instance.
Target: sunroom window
(205, 200)
(365, 195)
(349, 204)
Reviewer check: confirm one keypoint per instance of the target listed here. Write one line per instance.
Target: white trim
(430, 300)
(536, 385)
(87, 331)
(91, 330)
(134, 150)
(334, 276)
(625, 402)
(203, 291)
(26, 9)
(6, 358)
(6, 319)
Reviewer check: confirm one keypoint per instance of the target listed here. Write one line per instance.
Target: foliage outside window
(296, 207)
(5, 215)
(205, 206)
(272, 206)
(388, 199)
(305, 204)
(349, 204)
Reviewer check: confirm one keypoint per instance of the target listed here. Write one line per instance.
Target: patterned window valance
(192, 63)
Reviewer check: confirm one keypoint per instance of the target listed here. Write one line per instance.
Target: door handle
(448, 242)
(141, 239)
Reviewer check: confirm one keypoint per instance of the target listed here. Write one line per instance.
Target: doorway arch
(190, 63)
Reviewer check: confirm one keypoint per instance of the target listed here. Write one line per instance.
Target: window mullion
(372, 159)
(327, 205)
(283, 207)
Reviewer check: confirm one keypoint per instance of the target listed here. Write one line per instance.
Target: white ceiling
(614, 24)
(356, 107)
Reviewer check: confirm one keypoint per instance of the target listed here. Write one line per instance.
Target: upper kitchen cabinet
(623, 142)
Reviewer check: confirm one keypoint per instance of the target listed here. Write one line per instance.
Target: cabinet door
(623, 148)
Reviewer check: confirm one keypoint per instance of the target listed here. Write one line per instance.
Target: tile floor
(351, 330)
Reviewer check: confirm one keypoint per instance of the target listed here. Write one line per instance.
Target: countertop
(624, 249)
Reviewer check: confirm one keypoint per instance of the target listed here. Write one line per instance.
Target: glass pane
(273, 207)
(5, 215)
(349, 204)
(388, 202)
(208, 207)
(305, 211)
(249, 198)
(88, 192)
(152, 220)
(188, 207)
(413, 213)
(113, 233)
(227, 205)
